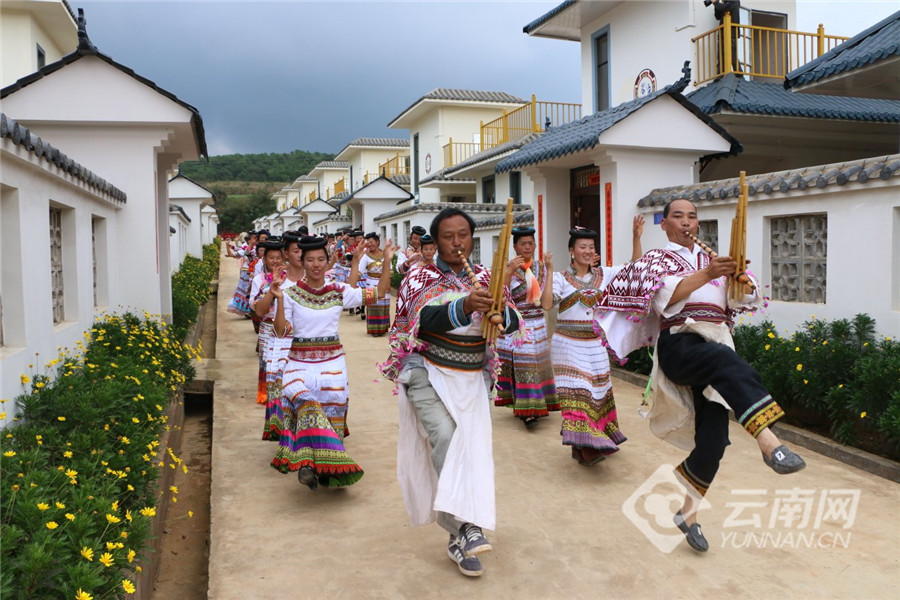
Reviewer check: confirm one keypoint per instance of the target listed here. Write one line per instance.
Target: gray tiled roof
(548, 15)
(305, 178)
(581, 135)
(86, 48)
(378, 143)
(174, 208)
(20, 136)
(333, 164)
(754, 97)
(400, 179)
(458, 95)
(346, 197)
(475, 210)
(766, 184)
(879, 42)
(524, 217)
(491, 153)
(337, 198)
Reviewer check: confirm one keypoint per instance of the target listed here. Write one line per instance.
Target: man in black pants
(698, 376)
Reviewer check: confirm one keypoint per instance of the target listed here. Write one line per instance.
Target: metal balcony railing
(757, 52)
(532, 117)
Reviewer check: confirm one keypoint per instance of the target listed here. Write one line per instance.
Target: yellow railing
(755, 51)
(456, 152)
(369, 177)
(340, 186)
(311, 196)
(529, 118)
(399, 165)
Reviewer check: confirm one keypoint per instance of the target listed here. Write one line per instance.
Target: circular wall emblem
(644, 84)
(428, 163)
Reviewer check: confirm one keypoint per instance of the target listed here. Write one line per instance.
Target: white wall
(863, 261)
(20, 32)
(28, 187)
(653, 35)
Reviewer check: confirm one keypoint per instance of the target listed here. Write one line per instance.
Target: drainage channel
(184, 549)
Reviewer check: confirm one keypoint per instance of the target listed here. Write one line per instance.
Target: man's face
(415, 240)
(682, 218)
(454, 237)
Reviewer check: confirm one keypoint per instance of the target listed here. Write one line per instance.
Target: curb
(854, 457)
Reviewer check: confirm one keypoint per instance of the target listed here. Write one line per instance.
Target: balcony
(311, 197)
(399, 165)
(340, 186)
(533, 117)
(757, 52)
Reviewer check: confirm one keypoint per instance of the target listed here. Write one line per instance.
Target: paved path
(562, 531)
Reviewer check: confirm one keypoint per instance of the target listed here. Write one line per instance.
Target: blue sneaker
(469, 566)
(472, 540)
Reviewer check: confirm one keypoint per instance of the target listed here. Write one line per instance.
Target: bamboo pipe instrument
(493, 321)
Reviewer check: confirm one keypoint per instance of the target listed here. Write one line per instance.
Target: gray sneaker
(469, 566)
(784, 461)
(472, 540)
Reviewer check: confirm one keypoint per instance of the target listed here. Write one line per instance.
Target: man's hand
(478, 300)
(720, 266)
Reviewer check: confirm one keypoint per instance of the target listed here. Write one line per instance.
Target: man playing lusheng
(677, 296)
(444, 455)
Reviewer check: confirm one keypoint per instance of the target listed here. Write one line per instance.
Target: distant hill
(274, 167)
(244, 183)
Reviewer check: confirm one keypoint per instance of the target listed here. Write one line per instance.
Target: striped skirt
(378, 316)
(240, 302)
(581, 366)
(526, 380)
(274, 354)
(314, 407)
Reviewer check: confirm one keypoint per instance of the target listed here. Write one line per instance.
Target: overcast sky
(280, 76)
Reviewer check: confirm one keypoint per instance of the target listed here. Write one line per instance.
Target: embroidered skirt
(274, 354)
(581, 366)
(314, 406)
(240, 303)
(378, 316)
(526, 381)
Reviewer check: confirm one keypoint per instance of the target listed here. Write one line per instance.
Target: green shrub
(190, 288)
(80, 465)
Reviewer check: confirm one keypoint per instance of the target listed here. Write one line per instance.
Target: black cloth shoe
(692, 533)
(784, 461)
(307, 477)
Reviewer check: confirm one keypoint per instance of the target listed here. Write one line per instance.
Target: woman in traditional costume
(264, 311)
(580, 360)
(526, 379)
(240, 302)
(371, 266)
(315, 391)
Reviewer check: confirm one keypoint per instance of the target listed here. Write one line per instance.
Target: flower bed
(87, 466)
(832, 377)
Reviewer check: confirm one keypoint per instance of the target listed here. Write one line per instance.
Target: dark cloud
(273, 77)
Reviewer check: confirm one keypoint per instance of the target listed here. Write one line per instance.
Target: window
(56, 265)
(488, 190)
(416, 163)
(476, 251)
(515, 186)
(41, 57)
(394, 231)
(406, 234)
(94, 256)
(708, 232)
(799, 250)
(601, 69)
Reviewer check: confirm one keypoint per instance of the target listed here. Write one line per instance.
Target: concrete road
(564, 531)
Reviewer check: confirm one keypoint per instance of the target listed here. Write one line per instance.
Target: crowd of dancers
(295, 289)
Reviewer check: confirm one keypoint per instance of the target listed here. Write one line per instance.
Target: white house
(59, 224)
(370, 158)
(371, 200)
(136, 131)
(209, 219)
(180, 235)
(192, 198)
(104, 200)
(442, 124)
(35, 33)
